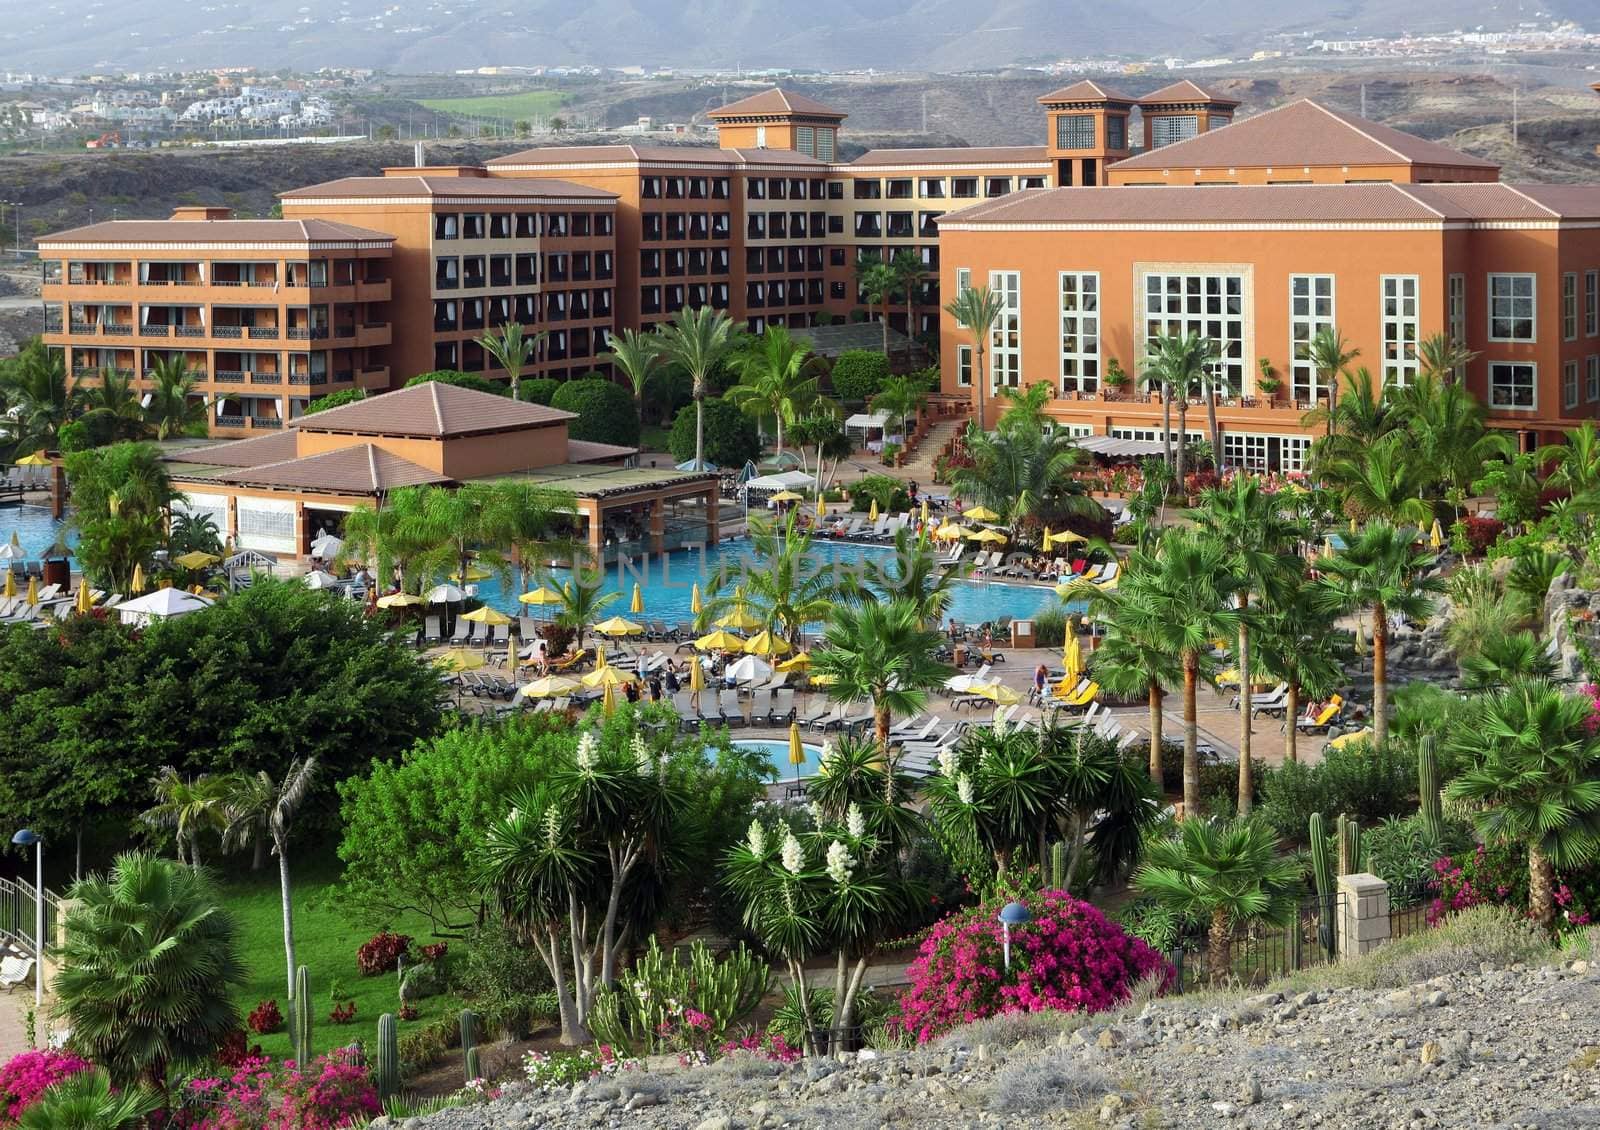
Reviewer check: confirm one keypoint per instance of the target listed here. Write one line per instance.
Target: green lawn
(326, 938)
(653, 437)
(527, 104)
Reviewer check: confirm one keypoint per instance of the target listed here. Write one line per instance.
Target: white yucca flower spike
(1000, 728)
(827, 753)
(840, 864)
(587, 748)
(641, 756)
(856, 822)
(757, 838)
(794, 859)
(552, 826)
(816, 813)
(947, 761)
(964, 788)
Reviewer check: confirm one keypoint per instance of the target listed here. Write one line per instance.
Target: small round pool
(777, 754)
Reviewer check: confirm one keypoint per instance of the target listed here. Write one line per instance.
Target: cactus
(1058, 865)
(302, 1016)
(387, 1075)
(1429, 806)
(469, 1042)
(1322, 876)
(1349, 835)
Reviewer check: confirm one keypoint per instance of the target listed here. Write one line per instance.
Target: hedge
(605, 410)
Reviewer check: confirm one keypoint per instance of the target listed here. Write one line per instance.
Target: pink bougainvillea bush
(23, 1078)
(1070, 958)
(261, 1095)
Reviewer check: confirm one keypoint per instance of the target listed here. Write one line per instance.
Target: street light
(27, 837)
(1012, 914)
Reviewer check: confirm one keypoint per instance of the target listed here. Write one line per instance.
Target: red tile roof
(298, 233)
(587, 451)
(775, 101)
(1299, 134)
(954, 155)
(1087, 91)
(423, 185)
(362, 469)
(432, 410)
(239, 452)
(1322, 203)
(1184, 91)
(708, 155)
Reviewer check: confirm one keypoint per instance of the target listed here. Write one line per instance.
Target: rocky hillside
(1472, 1037)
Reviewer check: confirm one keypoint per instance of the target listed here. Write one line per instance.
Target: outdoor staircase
(919, 465)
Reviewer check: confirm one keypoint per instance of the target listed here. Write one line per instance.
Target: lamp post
(27, 837)
(1012, 914)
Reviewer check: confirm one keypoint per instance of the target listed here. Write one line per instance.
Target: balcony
(373, 377)
(268, 378)
(189, 331)
(373, 333)
(230, 421)
(154, 329)
(267, 423)
(380, 291)
(227, 331)
(265, 333)
(343, 376)
(229, 376)
(84, 328)
(307, 378)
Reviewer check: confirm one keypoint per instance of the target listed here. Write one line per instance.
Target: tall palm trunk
(1246, 783)
(880, 727)
(885, 325)
(699, 422)
(1166, 424)
(1213, 428)
(1219, 947)
(911, 324)
(1541, 886)
(282, 848)
(983, 379)
(1155, 732)
(1291, 706)
(1183, 440)
(1380, 674)
(1191, 737)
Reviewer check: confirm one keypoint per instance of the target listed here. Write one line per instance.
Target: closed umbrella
(694, 599)
(33, 590)
(1072, 659)
(872, 512)
(1436, 536)
(697, 682)
(636, 606)
(822, 509)
(11, 585)
(401, 600)
(136, 586)
(487, 615)
(608, 700)
(797, 751)
(85, 598)
(924, 511)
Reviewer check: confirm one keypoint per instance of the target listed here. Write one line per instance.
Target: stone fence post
(1363, 914)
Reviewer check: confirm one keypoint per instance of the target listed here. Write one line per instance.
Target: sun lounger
(949, 737)
(963, 684)
(782, 705)
(915, 735)
(760, 704)
(820, 709)
(1109, 573)
(15, 971)
(1325, 717)
(1267, 702)
(728, 706)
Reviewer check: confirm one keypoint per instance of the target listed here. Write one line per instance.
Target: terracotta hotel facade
(1138, 215)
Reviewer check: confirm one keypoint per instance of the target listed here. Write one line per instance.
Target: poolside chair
(760, 704)
(15, 971)
(462, 630)
(431, 631)
(782, 705)
(568, 662)
(950, 736)
(1109, 573)
(728, 706)
(820, 709)
(1274, 700)
(852, 722)
(917, 733)
(963, 684)
(1325, 718)
(1081, 698)
(1092, 573)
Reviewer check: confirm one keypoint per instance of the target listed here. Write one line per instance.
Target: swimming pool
(34, 527)
(777, 753)
(666, 582)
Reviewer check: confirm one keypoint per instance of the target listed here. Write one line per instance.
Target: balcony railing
(227, 331)
(154, 329)
(308, 378)
(344, 375)
(268, 422)
(116, 329)
(229, 376)
(79, 280)
(265, 333)
(230, 421)
(83, 327)
(257, 378)
(189, 331)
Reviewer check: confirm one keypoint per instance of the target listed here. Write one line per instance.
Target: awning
(1114, 447)
(867, 421)
(802, 481)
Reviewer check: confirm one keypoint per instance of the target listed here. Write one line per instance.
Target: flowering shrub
(435, 950)
(382, 953)
(767, 1045)
(265, 1018)
(1498, 874)
(259, 1095)
(554, 1072)
(1481, 533)
(23, 1078)
(235, 1048)
(1070, 957)
(343, 1013)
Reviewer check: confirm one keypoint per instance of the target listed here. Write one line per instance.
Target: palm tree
(880, 651)
(1360, 417)
(187, 805)
(1577, 461)
(1384, 481)
(635, 355)
(36, 389)
(1503, 659)
(1440, 357)
(877, 282)
(534, 521)
(1230, 873)
(1154, 378)
(381, 537)
(783, 589)
(777, 380)
(86, 1100)
(909, 273)
(1292, 643)
(176, 406)
(582, 601)
(512, 350)
(976, 310)
(899, 399)
(1131, 659)
(1382, 573)
(148, 968)
(284, 806)
(1024, 474)
(1182, 363)
(1535, 779)
(1258, 540)
(447, 530)
(912, 573)
(698, 339)
(113, 408)
(1025, 407)
(247, 811)
(1330, 355)
(1451, 440)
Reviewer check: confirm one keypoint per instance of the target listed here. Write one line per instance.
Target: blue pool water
(778, 754)
(666, 582)
(34, 527)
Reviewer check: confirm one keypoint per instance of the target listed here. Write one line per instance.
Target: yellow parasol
(37, 459)
(1044, 542)
(872, 511)
(11, 585)
(924, 511)
(511, 655)
(694, 599)
(196, 559)
(787, 496)
(1353, 528)
(797, 751)
(33, 590)
(697, 678)
(1072, 659)
(636, 606)
(740, 620)
(822, 509)
(400, 600)
(608, 700)
(981, 514)
(197, 589)
(540, 597)
(487, 615)
(823, 680)
(720, 641)
(1436, 536)
(85, 598)
(994, 536)
(766, 644)
(136, 586)
(550, 686)
(998, 693)
(1362, 735)
(1065, 537)
(950, 530)
(617, 626)
(607, 676)
(796, 662)
(459, 659)
(474, 573)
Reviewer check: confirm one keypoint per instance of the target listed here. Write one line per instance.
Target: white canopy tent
(163, 604)
(1113, 447)
(861, 426)
(802, 481)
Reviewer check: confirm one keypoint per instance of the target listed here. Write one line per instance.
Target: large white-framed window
(1006, 350)
(1592, 377)
(1310, 310)
(1400, 328)
(1569, 385)
(963, 284)
(1569, 306)
(1256, 452)
(1591, 303)
(1076, 431)
(1080, 331)
(1512, 303)
(1151, 434)
(1456, 315)
(1211, 305)
(1514, 385)
(964, 365)
(1169, 128)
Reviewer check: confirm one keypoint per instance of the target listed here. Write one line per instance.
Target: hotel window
(1400, 322)
(755, 189)
(1592, 378)
(996, 186)
(963, 284)
(721, 188)
(900, 225)
(964, 188)
(1569, 306)
(1310, 310)
(1456, 317)
(1591, 303)
(1075, 131)
(603, 223)
(1006, 343)
(1116, 132)
(1513, 384)
(1511, 307)
(1211, 305)
(805, 140)
(868, 189)
(824, 145)
(472, 225)
(500, 225)
(1080, 331)
(447, 226)
(964, 365)
(1175, 127)
(931, 188)
(1033, 182)
(446, 274)
(1569, 385)
(869, 225)
(900, 188)
(1265, 452)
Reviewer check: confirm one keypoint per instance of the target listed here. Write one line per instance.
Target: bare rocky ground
(1441, 1034)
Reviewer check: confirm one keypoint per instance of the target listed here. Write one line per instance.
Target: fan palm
(582, 600)
(1182, 364)
(635, 355)
(512, 350)
(86, 1100)
(699, 340)
(113, 409)
(1354, 421)
(1292, 643)
(148, 968)
(909, 273)
(1258, 540)
(1576, 462)
(187, 805)
(1382, 573)
(283, 806)
(1535, 778)
(1024, 474)
(1505, 658)
(777, 380)
(41, 400)
(1230, 873)
(1330, 356)
(878, 282)
(1451, 441)
(976, 309)
(1384, 481)
(1024, 407)
(176, 406)
(912, 573)
(782, 589)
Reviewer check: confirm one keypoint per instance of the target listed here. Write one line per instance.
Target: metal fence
(19, 910)
(1262, 953)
